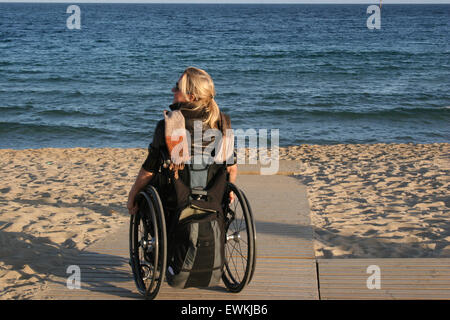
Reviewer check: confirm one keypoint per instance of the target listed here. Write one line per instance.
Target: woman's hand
(142, 180)
(232, 196)
(233, 171)
(132, 205)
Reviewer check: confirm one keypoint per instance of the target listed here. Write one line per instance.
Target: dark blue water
(315, 72)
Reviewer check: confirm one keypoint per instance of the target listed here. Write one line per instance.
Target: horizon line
(311, 2)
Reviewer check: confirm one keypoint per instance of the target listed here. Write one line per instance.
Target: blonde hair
(199, 84)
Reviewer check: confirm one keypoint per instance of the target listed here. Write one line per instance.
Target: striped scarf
(176, 140)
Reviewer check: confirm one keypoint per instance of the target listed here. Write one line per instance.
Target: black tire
(148, 243)
(254, 236)
(240, 244)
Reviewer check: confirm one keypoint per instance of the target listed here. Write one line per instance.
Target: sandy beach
(377, 200)
(55, 202)
(366, 201)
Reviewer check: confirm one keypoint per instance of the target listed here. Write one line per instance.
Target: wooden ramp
(398, 278)
(285, 265)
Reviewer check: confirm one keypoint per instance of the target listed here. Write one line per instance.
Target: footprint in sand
(5, 190)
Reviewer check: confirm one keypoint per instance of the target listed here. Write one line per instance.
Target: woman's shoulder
(158, 136)
(160, 124)
(159, 127)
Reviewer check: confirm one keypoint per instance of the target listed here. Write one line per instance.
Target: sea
(316, 73)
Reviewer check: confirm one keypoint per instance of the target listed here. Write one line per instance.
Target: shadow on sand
(49, 261)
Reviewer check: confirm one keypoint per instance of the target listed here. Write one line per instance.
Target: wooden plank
(386, 262)
(402, 278)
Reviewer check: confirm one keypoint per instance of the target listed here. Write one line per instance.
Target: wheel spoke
(147, 247)
(235, 267)
(240, 252)
(240, 244)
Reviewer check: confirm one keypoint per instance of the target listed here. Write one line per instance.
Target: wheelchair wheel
(148, 244)
(240, 245)
(254, 236)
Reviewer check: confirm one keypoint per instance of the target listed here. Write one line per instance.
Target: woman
(194, 94)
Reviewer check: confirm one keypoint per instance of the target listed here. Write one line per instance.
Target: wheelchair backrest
(200, 184)
(198, 178)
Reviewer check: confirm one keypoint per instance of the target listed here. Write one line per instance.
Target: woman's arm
(142, 180)
(233, 171)
(150, 164)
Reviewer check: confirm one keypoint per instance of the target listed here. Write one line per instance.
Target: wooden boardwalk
(398, 278)
(285, 266)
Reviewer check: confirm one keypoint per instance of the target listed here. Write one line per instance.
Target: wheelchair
(148, 240)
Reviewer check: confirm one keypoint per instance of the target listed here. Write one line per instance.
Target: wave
(26, 71)
(396, 113)
(6, 63)
(42, 129)
(26, 107)
(400, 112)
(68, 113)
(358, 53)
(62, 93)
(302, 54)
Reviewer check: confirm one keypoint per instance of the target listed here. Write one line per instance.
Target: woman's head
(197, 87)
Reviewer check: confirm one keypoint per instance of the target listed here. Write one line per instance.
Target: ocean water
(315, 72)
